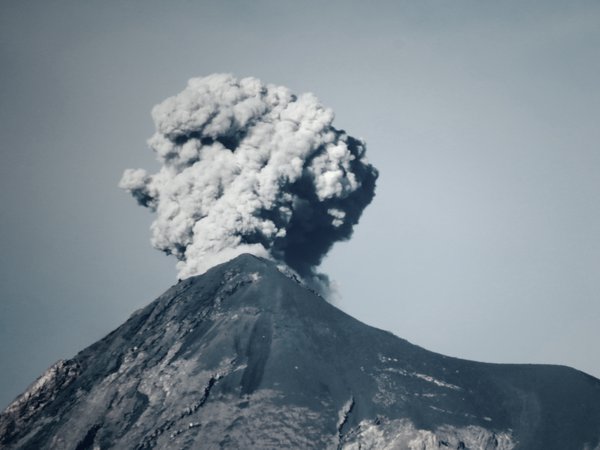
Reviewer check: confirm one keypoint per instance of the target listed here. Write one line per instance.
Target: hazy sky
(482, 241)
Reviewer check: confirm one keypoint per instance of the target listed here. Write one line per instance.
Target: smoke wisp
(249, 167)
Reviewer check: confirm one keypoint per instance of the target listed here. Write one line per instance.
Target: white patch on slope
(435, 381)
(402, 434)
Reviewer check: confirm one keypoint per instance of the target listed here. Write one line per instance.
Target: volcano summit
(245, 356)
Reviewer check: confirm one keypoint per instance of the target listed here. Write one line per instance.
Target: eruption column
(248, 167)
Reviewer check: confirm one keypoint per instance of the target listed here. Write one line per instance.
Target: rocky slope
(246, 357)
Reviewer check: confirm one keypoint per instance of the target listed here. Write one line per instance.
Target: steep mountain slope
(246, 357)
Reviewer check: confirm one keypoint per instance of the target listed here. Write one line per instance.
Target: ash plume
(249, 167)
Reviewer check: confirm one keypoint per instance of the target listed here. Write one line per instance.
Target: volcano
(245, 356)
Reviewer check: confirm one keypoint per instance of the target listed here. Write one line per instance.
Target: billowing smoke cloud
(248, 167)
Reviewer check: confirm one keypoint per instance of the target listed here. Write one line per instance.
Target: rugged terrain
(245, 356)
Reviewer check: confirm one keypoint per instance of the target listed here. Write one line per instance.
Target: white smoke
(248, 167)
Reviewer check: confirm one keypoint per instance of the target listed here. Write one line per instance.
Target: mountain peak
(244, 356)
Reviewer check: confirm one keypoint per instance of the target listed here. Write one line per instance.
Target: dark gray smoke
(248, 167)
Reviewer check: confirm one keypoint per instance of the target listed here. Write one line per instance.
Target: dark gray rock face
(245, 357)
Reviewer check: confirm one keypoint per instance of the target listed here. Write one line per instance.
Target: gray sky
(482, 241)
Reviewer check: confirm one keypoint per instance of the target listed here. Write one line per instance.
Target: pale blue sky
(482, 241)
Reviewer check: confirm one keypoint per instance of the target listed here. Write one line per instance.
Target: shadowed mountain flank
(247, 357)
